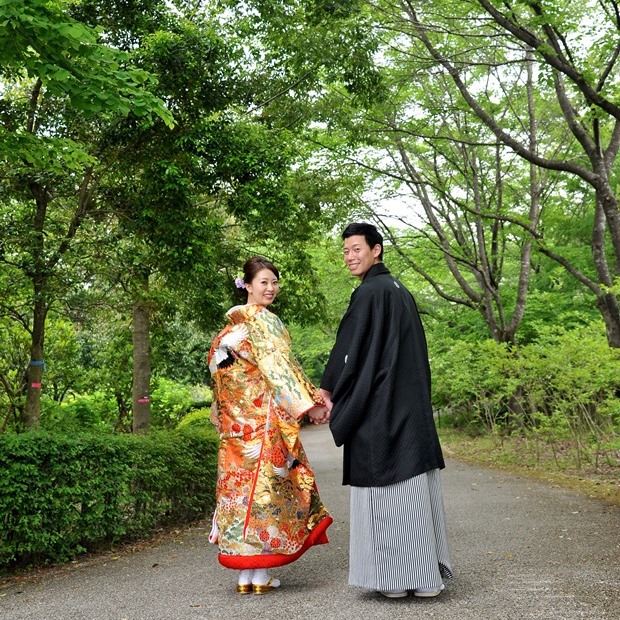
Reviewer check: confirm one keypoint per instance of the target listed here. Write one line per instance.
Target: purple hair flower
(239, 283)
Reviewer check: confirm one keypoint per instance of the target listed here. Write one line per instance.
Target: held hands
(327, 398)
(318, 415)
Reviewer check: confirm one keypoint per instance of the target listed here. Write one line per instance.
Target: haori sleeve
(289, 387)
(353, 366)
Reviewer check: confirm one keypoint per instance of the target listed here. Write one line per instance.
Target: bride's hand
(318, 415)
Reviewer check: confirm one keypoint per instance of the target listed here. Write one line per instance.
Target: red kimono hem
(318, 536)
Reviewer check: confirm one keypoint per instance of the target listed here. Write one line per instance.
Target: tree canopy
(147, 149)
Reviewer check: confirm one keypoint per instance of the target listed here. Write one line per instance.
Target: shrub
(79, 413)
(563, 386)
(61, 495)
(474, 383)
(200, 417)
(169, 401)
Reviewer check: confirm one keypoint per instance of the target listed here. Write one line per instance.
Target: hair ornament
(239, 283)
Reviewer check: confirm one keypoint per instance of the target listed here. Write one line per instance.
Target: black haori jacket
(379, 378)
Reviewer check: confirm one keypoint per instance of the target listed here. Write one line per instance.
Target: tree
(58, 84)
(576, 51)
(534, 79)
(173, 194)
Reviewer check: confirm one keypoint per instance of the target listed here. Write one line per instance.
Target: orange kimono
(268, 510)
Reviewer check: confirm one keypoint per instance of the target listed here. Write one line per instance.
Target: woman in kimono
(268, 510)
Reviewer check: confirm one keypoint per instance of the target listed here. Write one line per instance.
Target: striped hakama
(398, 535)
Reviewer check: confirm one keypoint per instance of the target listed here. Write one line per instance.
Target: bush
(196, 418)
(62, 495)
(563, 386)
(79, 413)
(170, 401)
(474, 383)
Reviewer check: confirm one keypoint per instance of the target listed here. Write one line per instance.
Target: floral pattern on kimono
(268, 510)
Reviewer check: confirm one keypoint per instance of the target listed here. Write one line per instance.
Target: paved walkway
(521, 551)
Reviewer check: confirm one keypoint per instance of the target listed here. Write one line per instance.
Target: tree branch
(490, 122)
(555, 60)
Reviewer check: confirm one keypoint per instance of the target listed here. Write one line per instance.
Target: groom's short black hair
(369, 231)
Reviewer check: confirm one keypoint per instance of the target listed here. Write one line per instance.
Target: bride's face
(263, 288)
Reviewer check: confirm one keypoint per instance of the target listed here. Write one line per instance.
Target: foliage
(169, 402)
(474, 381)
(562, 387)
(179, 349)
(312, 340)
(64, 93)
(61, 495)
(89, 413)
(572, 384)
(491, 155)
(38, 40)
(97, 411)
(13, 359)
(200, 417)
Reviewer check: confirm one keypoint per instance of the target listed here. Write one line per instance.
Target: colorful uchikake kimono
(268, 510)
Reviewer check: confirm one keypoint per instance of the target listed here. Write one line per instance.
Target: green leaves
(39, 40)
(61, 495)
(564, 384)
(54, 155)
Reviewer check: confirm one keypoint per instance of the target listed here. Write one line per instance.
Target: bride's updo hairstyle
(251, 267)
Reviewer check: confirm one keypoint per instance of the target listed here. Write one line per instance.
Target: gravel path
(521, 550)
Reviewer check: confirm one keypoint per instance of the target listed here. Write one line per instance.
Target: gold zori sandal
(267, 587)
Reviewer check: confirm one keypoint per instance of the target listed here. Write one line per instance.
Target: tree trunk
(610, 310)
(141, 404)
(32, 408)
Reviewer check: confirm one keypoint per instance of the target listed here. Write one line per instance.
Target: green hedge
(62, 495)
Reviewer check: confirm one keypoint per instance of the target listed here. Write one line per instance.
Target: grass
(595, 473)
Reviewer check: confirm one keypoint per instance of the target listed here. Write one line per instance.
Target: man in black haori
(377, 383)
